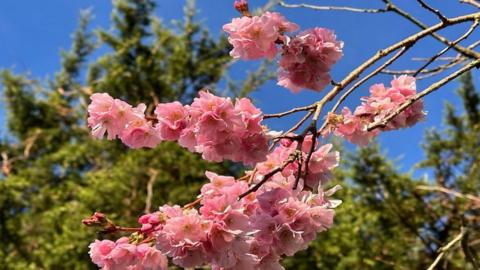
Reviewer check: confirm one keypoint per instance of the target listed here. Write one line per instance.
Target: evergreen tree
(55, 174)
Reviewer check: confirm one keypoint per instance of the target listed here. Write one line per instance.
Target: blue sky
(32, 33)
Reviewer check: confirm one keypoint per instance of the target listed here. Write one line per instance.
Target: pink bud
(241, 6)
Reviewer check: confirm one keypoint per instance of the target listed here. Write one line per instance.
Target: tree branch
(464, 51)
(447, 247)
(431, 88)
(451, 192)
(434, 11)
(464, 36)
(471, 2)
(315, 7)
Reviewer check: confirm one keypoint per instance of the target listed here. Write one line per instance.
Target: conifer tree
(55, 174)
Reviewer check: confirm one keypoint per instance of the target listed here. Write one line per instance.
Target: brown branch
(192, 204)
(471, 2)
(337, 8)
(434, 11)
(430, 89)
(366, 78)
(464, 36)
(464, 51)
(427, 72)
(148, 200)
(269, 175)
(443, 250)
(294, 110)
(406, 42)
(449, 191)
(292, 129)
(470, 254)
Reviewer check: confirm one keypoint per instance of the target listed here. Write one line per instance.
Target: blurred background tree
(55, 174)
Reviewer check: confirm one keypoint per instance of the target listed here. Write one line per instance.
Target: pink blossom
(150, 222)
(322, 159)
(381, 102)
(255, 37)
(151, 258)
(124, 254)
(307, 59)
(211, 125)
(140, 133)
(110, 115)
(100, 251)
(172, 119)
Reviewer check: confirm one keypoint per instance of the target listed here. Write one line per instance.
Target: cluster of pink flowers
(215, 127)
(381, 102)
(119, 119)
(307, 58)
(235, 227)
(211, 125)
(320, 166)
(255, 37)
(225, 232)
(122, 254)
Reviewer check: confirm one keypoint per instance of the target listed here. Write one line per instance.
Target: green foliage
(55, 174)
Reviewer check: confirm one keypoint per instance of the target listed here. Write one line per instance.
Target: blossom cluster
(226, 232)
(233, 225)
(320, 164)
(381, 102)
(306, 58)
(122, 254)
(256, 36)
(211, 125)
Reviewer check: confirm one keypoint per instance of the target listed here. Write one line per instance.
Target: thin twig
(366, 78)
(294, 110)
(464, 51)
(337, 8)
(426, 72)
(267, 176)
(449, 191)
(471, 2)
(470, 254)
(445, 248)
(148, 200)
(434, 11)
(464, 36)
(383, 122)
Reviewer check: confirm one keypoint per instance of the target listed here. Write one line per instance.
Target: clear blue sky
(32, 33)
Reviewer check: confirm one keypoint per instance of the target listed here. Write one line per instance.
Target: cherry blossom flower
(307, 59)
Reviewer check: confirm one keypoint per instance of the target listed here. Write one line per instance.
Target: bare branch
(470, 254)
(366, 78)
(430, 89)
(464, 36)
(148, 200)
(434, 11)
(446, 248)
(382, 53)
(451, 192)
(471, 2)
(269, 175)
(294, 110)
(315, 7)
(464, 51)
(426, 72)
